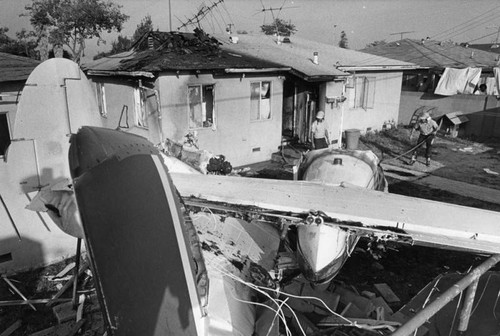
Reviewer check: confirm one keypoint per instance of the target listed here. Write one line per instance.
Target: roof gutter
(379, 67)
(246, 70)
(120, 73)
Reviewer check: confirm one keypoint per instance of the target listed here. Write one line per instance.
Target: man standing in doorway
(428, 129)
(319, 132)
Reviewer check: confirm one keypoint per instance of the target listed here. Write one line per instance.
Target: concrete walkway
(437, 182)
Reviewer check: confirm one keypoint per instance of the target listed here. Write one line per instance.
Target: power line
(445, 32)
(469, 27)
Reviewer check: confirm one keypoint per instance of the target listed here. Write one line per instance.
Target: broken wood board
(386, 292)
(65, 312)
(68, 284)
(13, 327)
(335, 320)
(65, 329)
(379, 302)
(409, 219)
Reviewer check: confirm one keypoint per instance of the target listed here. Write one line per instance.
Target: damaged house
(451, 78)
(183, 86)
(240, 94)
(14, 70)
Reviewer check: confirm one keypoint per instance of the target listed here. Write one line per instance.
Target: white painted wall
(385, 108)
(234, 134)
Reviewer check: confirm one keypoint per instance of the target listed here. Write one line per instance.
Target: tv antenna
(402, 33)
(195, 20)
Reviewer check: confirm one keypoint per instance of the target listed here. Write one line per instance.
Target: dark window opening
(4, 134)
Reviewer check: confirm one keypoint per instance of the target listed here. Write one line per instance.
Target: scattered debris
(17, 291)
(13, 327)
(489, 171)
(386, 292)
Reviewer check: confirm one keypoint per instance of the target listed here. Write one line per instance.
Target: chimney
(315, 57)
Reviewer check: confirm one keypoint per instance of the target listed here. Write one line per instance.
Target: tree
(25, 45)
(343, 43)
(145, 26)
(124, 43)
(121, 44)
(70, 22)
(280, 27)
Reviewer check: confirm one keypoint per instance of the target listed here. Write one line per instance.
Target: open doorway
(300, 104)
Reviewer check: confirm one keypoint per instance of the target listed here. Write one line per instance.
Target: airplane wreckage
(144, 222)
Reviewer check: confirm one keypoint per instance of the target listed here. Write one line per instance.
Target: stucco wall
(241, 140)
(385, 106)
(120, 98)
(482, 111)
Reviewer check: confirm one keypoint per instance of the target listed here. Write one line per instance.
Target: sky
(364, 21)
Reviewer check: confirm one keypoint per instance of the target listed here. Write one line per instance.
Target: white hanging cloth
(457, 81)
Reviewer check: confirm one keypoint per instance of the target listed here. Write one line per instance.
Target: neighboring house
(14, 71)
(356, 90)
(174, 84)
(419, 85)
(491, 47)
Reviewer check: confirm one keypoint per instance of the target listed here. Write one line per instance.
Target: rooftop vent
(315, 57)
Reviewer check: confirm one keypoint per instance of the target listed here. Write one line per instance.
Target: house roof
(175, 51)
(434, 54)
(491, 47)
(298, 54)
(15, 68)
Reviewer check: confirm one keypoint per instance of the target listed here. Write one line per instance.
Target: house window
(141, 116)
(4, 133)
(260, 101)
(201, 106)
(101, 99)
(364, 92)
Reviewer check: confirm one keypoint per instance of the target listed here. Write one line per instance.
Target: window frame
(9, 132)
(101, 99)
(193, 124)
(364, 92)
(140, 111)
(269, 93)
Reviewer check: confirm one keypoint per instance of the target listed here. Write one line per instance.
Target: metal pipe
(429, 311)
(465, 313)
(10, 218)
(77, 267)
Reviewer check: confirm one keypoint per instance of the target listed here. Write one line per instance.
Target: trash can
(352, 138)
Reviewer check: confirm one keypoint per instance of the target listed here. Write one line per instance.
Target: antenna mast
(402, 33)
(200, 15)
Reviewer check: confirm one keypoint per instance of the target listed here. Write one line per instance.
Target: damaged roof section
(175, 51)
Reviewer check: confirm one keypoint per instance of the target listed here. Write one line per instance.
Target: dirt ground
(456, 159)
(406, 269)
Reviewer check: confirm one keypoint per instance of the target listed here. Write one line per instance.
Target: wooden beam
(427, 222)
(10, 330)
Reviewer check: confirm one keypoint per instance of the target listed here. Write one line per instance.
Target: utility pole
(402, 33)
(170, 15)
